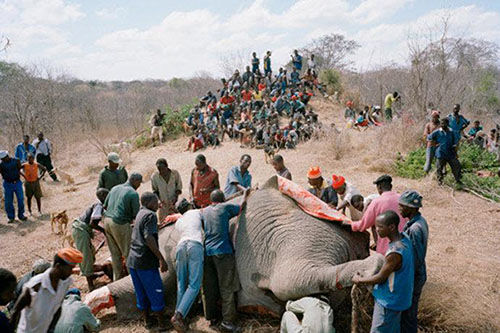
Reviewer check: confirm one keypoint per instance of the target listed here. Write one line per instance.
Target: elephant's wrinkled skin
(281, 252)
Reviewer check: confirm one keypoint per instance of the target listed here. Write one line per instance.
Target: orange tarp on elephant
(308, 202)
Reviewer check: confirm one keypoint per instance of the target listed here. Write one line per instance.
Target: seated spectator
(474, 129)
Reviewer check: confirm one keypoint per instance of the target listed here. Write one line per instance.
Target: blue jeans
(8, 190)
(148, 289)
(430, 153)
(385, 320)
(189, 268)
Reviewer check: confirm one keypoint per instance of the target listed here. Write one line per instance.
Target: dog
(61, 219)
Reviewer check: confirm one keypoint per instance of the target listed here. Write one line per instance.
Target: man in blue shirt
(457, 122)
(417, 230)
(446, 151)
(10, 169)
(394, 282)
(255, 63)
(24, 148)
(238, 178)
(297, 60)
(219, 277)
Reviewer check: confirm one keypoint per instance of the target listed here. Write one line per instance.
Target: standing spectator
(188, 262)
(297, 60)
(255, 63)
(39, 305)
(83, 233)
(430, 151)
(446, 152)
(113, 174)
(10, 169)
(280, 168)
(389, 100)
(320, 188)
(24, 148)
(167, 185)
(311, 64)
(220, 278)
(122, 205)
(388, 200)
(32, 173)
(267, 63)
(456, 122)
(156, 123)
(394, 282)
(7, 287)
(238, 178)
(204, 180)
(76, 316)
(144, 260)
(417, 231)
(43, 152)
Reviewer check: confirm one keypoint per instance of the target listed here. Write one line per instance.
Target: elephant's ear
(271, 183)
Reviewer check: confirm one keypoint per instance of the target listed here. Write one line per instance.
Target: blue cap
(411, 198)
(73, 291)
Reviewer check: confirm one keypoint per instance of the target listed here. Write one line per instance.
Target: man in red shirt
(227, 100)
(204, 180)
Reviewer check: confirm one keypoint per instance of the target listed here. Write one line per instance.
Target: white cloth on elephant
(317, 316)
(349, 192)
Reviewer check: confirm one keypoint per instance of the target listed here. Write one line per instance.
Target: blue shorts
(148, 289)
(385, 320)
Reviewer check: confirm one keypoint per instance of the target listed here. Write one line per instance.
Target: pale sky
(161, 39)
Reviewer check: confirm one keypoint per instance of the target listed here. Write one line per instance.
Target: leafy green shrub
(472, 158)
(173, 120)
(412, 166)
(331, 78)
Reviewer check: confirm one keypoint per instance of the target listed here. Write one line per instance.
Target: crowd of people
(30, 162)
(256, 108)
(205, 253)
(250, 108)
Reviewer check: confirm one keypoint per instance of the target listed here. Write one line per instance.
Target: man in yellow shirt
(389, 99)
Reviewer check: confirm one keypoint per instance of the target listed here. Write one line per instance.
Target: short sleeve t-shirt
(216, 219)
(140, 256)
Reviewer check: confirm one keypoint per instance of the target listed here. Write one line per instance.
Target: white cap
(114, 157)
(3, 153)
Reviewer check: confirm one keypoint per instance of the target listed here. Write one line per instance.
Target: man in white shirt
(40, 302)
(345, 191)
(188, 262)
(43, 152)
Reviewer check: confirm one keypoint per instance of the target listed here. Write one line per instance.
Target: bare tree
(331, 51)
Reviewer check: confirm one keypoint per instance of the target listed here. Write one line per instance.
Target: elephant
(282, 253)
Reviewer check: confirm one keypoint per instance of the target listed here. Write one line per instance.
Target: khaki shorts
(33, 189)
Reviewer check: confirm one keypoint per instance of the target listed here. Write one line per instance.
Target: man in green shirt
(113, 174)
(122, 205)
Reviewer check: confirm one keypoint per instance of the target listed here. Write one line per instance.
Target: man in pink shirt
(388, 200)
